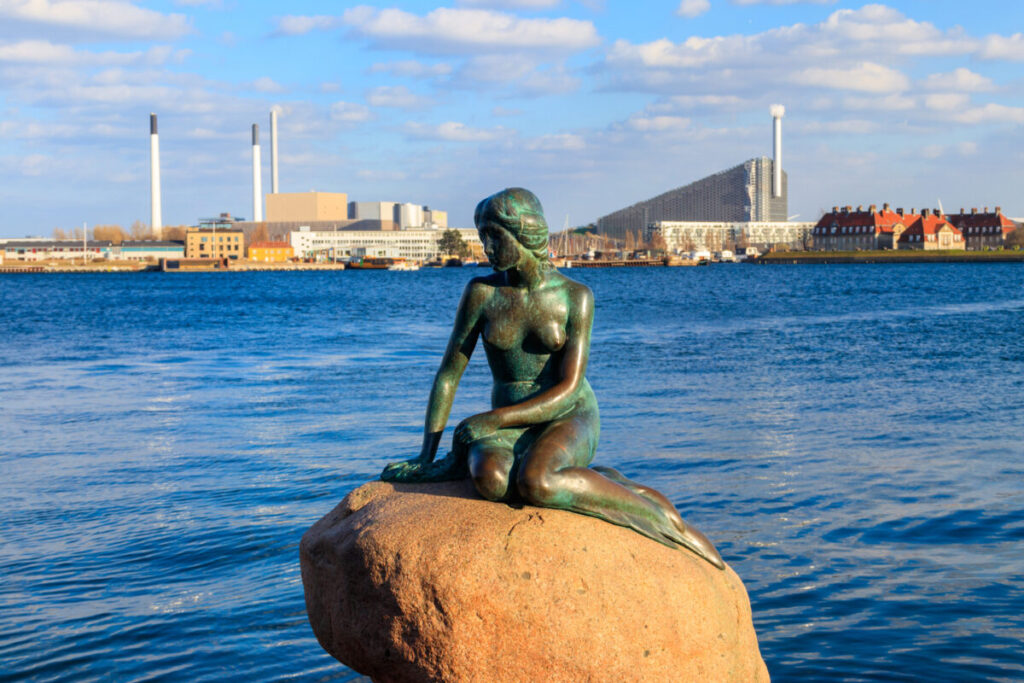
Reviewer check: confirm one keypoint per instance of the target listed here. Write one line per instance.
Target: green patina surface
(537, 441)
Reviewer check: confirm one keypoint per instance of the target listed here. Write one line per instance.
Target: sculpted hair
(518, 211)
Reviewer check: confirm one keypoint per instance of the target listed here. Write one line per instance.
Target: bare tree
(259, 234)
(59, 234)
(140, 231)
(175, 233)
(113, 233)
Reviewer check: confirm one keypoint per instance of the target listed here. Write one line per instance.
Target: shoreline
(886, 256)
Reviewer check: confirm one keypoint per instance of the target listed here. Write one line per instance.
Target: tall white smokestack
(273, 151)
(257, 189)
(778, 111)
(155, 212)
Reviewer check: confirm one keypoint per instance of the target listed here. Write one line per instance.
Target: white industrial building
(687, 236)
(405, 216)
(419, 245)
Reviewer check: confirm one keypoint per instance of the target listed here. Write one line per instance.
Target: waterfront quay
(888, 256)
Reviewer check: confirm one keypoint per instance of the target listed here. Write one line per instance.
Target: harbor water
(849, 436)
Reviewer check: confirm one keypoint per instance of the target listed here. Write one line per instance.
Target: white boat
(404, 265)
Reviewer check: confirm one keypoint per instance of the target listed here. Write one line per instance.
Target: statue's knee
(491, 481)
(538, 488)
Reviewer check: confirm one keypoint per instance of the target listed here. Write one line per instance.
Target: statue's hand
(407, 470)
(477, 427)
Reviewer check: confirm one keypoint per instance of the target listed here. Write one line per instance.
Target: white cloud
(104, 17)
(45, 52)
(510, 4)
(896, 102)
(293, 25)
(562, 142)
(946, 101)
(990, 113)
(843, 43)
(1003, 47)
(658, 124)
(267, 85)
(454, 31)
(398, 97)
(376, 175)
(412, 69)
(35, 164)
(692, 8)
(783, 2)
(552, 81)
(843, 127)
(350, 112)
(863, 77)
(967, 149)
(453, 131)
(960, 79)
(689, 102)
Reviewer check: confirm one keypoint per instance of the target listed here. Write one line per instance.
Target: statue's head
(519, 212)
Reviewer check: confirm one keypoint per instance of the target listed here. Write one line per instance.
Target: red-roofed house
(848, 229)
(929, 231)
(983, 230)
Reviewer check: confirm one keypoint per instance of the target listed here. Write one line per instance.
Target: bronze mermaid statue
(536, 443)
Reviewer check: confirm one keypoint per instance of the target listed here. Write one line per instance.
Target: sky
(592, 104)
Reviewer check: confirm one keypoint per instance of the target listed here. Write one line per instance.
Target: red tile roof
(975, 223)
(926, 225)
(875, 221)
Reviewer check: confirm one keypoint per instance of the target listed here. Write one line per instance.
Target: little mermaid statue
(536, 442)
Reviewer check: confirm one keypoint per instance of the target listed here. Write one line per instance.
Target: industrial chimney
(155, 219)
(273, 151)
(257, 189)
(778, 111)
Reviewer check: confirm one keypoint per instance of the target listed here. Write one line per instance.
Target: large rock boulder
(429, 582)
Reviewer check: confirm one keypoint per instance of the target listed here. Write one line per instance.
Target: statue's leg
(490, 465)
(554, 474)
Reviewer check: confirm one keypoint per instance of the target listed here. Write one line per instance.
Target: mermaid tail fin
(675, 530)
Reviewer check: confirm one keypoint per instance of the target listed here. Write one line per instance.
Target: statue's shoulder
(484, 282)
(577, 291)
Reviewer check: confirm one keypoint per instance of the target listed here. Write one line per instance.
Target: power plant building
(307, 207)
(740, 194)
(755, 191)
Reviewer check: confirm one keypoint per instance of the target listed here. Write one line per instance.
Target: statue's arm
(561, 398)
(456, 356)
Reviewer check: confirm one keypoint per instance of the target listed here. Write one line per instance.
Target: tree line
(116, 234)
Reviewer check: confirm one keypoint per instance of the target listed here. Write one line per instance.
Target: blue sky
(593, 104)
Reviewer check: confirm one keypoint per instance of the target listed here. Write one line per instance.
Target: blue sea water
(850, 437)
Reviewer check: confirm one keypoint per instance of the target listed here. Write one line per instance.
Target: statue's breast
(512, 324)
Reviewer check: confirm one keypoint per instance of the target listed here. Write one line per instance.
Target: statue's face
(502, 248)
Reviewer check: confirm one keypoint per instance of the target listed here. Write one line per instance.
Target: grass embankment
(890, 256)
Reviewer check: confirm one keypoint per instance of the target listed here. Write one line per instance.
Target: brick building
(849, 229)
(982, 229)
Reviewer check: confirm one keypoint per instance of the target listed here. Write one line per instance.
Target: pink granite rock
(429, 582)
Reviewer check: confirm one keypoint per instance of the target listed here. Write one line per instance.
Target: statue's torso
(524, 336)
